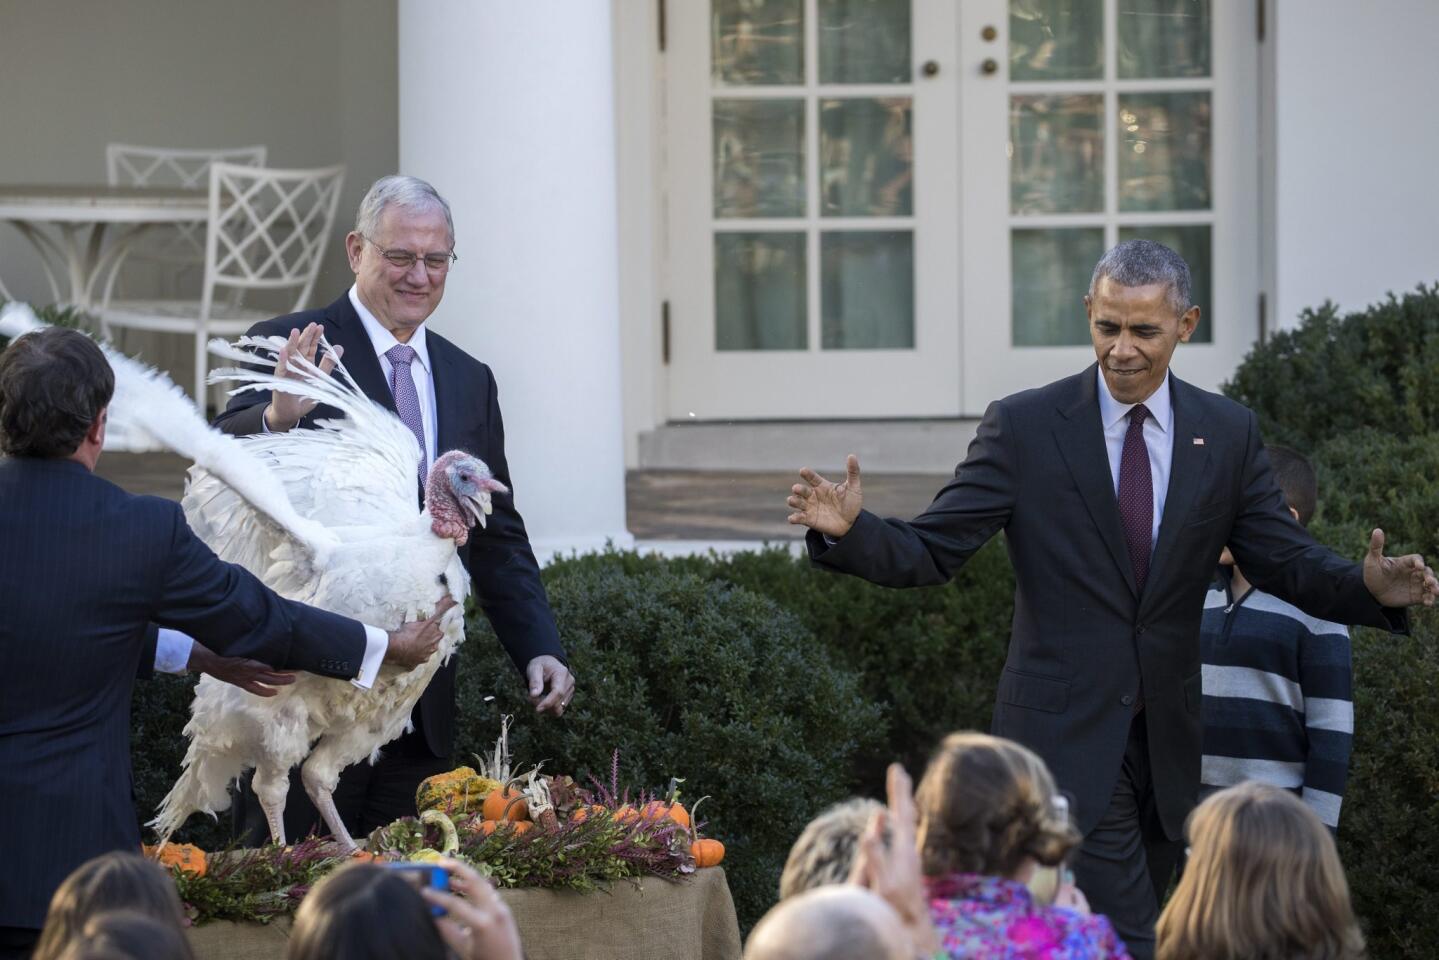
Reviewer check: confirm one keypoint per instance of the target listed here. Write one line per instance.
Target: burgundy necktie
(1136, 495)
(407, 399)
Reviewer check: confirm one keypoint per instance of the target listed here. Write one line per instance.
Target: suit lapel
(343, 326)
(448, 399)
(1186, 470)
(1080, 437)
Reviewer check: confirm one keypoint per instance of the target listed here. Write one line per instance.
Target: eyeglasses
(405, 259)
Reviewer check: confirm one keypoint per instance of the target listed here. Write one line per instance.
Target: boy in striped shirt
(1278, 684)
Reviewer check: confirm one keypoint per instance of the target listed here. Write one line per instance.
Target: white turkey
(384, 561)
(328, 517)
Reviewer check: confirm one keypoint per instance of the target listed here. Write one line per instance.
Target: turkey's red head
(458, 495)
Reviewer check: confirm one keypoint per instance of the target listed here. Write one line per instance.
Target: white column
(508, 109)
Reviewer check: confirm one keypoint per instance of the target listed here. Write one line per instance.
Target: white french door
(891, 208)
(812, 204)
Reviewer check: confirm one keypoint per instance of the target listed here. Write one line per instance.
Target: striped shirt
(1278, 698)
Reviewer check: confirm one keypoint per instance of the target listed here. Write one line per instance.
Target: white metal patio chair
(266, 230)
(177, 250)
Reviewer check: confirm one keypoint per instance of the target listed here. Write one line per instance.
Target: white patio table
(68, 225)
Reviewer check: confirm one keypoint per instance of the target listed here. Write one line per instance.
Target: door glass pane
(864, 41)
(759, 158)
(1164, 151)
(1163, 38)
(1056, 153)
(866, 157)
(867, 290)
(756, 42)
(760, 298)
(1049, 276)
(1056, 39)
(1191, 243)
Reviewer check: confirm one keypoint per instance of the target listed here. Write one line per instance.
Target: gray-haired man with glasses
(401, 251)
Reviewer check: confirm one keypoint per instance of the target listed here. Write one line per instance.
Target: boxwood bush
(693, 678)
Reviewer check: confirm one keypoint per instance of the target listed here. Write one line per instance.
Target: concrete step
(888, 446)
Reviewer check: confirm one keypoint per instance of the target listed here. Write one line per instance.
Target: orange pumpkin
(506, 804)
(487, 827)
(626, 814)
(185, 856)
(658, 810)
(522, 826)
(707, 852)
(583, 813)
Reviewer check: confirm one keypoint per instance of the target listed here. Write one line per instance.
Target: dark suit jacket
(467, 417)
(1083, 638)
(86, 570)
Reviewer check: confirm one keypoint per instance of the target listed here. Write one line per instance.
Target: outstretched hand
(1398, 581)
(286, 409)
(827, 508)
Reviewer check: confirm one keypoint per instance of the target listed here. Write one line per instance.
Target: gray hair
(1139, 263)
(407, 193)
(825, 851)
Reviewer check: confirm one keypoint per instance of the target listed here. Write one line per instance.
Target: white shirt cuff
(377, 644)
(172, 651)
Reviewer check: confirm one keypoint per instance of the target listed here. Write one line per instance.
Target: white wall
(1356, 198)
(508, 109)
(313, 80)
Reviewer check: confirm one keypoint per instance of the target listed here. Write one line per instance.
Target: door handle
(930, 68)
(989, 66)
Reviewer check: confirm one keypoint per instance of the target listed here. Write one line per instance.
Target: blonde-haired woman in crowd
(1263, 882)
(988, 818)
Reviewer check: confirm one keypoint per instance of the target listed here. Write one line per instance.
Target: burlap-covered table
(654, 920)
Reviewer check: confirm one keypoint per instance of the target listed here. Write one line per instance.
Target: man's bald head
(839, 922)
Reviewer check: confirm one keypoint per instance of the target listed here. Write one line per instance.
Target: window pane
(1056, 39)
(1050, 272)
(1191, 243)
(760, 300)
(864, 41)
(866, 154)
(867, 290)
(1056, 154)
(1164, 151)
(759, 158)
(1164, 38)
(755, 42)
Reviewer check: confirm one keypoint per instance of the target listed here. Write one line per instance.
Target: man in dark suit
(1115, 488)
(87, 572)
(400, 251)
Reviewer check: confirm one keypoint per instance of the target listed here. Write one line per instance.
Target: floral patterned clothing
(990, 918)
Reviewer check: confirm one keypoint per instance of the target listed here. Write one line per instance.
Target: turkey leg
(320, 785)
(270, 789)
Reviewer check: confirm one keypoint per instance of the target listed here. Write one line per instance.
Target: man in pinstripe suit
(87, 571)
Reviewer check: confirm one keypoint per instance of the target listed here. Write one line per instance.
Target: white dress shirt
(1158, 439)
(383, 340)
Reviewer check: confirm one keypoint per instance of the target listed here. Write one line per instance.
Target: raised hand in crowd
(477, 924)
(1398, 581)
(825, 507)
(892, 870)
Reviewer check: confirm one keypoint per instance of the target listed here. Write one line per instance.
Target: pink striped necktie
(407, 398)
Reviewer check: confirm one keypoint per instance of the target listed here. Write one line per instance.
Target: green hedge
(691, 678)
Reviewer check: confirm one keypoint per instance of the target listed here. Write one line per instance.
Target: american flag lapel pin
(1199, 441)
